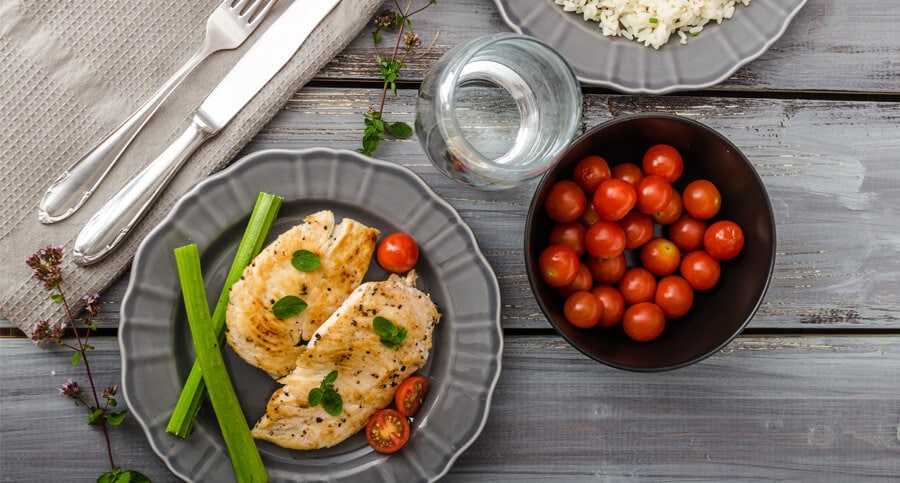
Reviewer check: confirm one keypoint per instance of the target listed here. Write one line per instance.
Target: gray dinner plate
(157, 350)
(627, 66)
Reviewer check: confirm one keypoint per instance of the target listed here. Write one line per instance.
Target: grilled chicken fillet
(273, 344)
(368, 371)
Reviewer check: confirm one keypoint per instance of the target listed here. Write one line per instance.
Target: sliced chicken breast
(368, 370)
(273, 344)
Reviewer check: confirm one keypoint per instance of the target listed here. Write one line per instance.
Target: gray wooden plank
(785, 408)
(830, 45)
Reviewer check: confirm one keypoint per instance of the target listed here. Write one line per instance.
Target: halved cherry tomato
(590, 172)
(653, 194)
(397, 253)
(723, 240)
(387, 431)
(565, 201)
(558, 265)
(663, 160)
(628, 172)
(674, 296)
(571, 234)
(687, 233)
(607, 270)
(583, 281)
(660, 256)
(604, 239)
(644, 322)
(701, 199)
(583, 310)
(613, 304)
(701, 270)
(638, 229)
(613, 199)
(410, 395)
(671, 213)
(637, 285)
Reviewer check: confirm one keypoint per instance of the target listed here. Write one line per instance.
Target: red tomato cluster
(602, 213)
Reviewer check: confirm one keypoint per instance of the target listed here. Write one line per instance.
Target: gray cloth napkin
(73, 71)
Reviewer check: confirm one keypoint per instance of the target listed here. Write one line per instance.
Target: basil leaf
(116, 419)
(76, 357)
(288, 306)
(376, 37)
(391, 336)
(95, 415)
(315, 396)
(330, 378)
(399, 129)
(305, 261)
(333, 403)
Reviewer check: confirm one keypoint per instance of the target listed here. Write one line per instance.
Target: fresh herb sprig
(46, 266)
(326, 395)
(288, 306)
(391, 335)
(305, 260)
(376, 127)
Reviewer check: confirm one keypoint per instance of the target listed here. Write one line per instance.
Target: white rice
(652, 22)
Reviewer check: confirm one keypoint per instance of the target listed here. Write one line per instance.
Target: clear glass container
(498, 110)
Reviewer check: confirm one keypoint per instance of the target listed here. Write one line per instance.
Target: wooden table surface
(809, 391)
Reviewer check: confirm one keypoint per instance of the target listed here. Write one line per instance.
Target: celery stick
(242, 450)
(261, 219)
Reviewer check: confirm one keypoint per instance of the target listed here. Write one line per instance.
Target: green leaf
(376, 37)
(315, 396)
(95, 415)
(76, 357)
(330, 378)
(112, 402)
(57, 297)
(333, 403)
(399, 129)
(305, 261)
(116, 419)
(88, 347)
(391, 336)
(653, 20)
(288, 306)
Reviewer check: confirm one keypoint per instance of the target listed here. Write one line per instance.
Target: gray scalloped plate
(465, 361)
(628, 66)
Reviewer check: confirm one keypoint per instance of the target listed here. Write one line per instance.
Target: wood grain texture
(795, 408)
(829, 46)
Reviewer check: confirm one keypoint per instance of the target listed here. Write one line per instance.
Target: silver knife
(109, 226)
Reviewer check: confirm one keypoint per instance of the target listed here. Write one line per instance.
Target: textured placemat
(72, 71)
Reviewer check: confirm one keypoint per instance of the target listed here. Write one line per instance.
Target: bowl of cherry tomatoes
(651, 244)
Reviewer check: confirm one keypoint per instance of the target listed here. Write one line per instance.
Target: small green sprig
(391, 335)
(305, 260)
(389, 71)
(326, 395)
(288, 306)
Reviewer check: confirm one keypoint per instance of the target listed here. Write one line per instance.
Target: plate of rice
(653, 46)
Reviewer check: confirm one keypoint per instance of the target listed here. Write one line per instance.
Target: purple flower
(70, 389)
(91, 304)
(110, 391)
(44, 331)
(411, 40)
(45, 263)
(386, 19)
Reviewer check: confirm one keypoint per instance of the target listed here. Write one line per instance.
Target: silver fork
(227, 28)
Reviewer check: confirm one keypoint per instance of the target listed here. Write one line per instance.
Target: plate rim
(250, 158)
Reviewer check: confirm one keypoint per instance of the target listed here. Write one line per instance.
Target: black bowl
(719, 314)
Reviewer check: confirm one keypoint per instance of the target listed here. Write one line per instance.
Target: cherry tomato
(590, 215)
(397, 253)
(607, 270)
(723, 240)
(663, 160)
(583, 281)
(638, 229)
(644, 322)
(700, 270)
(590, 172)
(387, 431)
(671, 212)
(687, 233)
(583, 310)
(558, 265)
(637, 285)
(674, 296)
(701, 199)
(653, 194)
(613, 304)
(410, 395)
(628, 172)
(613, 199)
(604, 239)
(571, 234)
(565, 201)
(660, 256)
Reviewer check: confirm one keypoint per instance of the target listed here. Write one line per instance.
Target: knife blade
(114, 221)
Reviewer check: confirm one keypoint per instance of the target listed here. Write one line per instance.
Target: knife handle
(108, 227)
